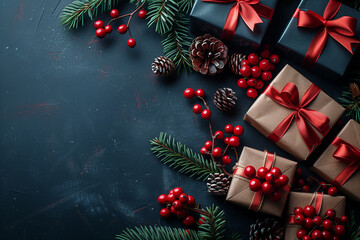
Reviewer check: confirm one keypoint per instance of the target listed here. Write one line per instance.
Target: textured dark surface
(76, 118)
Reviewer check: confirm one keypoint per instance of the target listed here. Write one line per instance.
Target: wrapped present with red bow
(320, 32)
(261, 181)
(238, 22)
(294, 113)
(340, 163)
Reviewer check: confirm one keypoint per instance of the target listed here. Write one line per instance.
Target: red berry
(261, 172)
(229, 128)
(226, 160)
(245, 71)
(250, 171)
(274, 58)
(219, 135)
(272, 67)
(253, 59)
(306, 237)
(300, 182)
(340, 230)
(200, 93)
(183, 198)
(238, 130)
(131, 42)
(324, 185)
(201, 221)
(305, 188)
(177, 191)
(197, 108)
(176, 204)
(122, 29)
(332, 191)
(276, 196)
(301, 233)
(217, 152)
(266, 76)
(181, 213)
(309, 211)
(173, 210)
(298, 210)
(331, 213)
(206, 114)
(108, 29)
(189, 93)
(165, 213)
(251, 82)
(255, 72)
(276, 171)
(191, 200)
(203, 151)
(265, 53)
(335, 237)
(326, 235)
(316, 235)
(317, 220)
(100, 33)
(259, 84)
(114, 13)
(98, 24)
(242, 83)
(298, 172)
(251, 93)
(189, 221)
(270, 177)
(142, 14)
(284, 180)
(255, 185)
(308, 223)
(299, 219)
(226, 140)
(267, 188)
(162, 199)
(208, 145)
(344, 219)
(327, 224)
(264, 65)
(171, 191)
(234, 141)
(244, 62)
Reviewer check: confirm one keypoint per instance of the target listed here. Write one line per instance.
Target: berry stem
(236, 154)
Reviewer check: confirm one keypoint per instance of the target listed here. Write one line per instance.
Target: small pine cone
(163, 66)
(225, 99)
(218, 184)
(264, 229)
(235, 62)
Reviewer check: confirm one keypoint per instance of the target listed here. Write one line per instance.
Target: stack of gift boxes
(292, 112)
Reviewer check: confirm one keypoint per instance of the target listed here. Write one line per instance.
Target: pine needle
(213, 227)
(162, 14)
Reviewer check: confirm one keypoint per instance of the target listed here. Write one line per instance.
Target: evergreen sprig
(352, 105)
(186, 5)
(181, 158)
(354, 233)
(75, 12)
(162, 14)
(157, 233)
(213, 227)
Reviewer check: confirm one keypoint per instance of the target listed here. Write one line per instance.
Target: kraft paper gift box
(280, 107)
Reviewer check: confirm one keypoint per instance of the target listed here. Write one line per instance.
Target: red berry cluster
(197, 108)
(177, 203)
(232, 141)
(255, 70)
(269, 182)
(102, 30)
(315, 227)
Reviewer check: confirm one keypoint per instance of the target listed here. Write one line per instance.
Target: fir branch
(157, 233)
(354, 231)
(181, 158)
(162, 14)
(186, 5)
(74, 13)
(351, 104)
(236, 236)
(177, 43)
(213, 227)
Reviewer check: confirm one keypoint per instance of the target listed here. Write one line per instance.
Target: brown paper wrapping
(297, 199)
(329, 167)
(239, 191)
(265, 114)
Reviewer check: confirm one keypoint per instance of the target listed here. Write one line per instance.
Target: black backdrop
(77, 114)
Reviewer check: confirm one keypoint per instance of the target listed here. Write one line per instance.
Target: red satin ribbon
(341, 29)
(317, 206)
(305, 118)
(249, 10)
(346, 153)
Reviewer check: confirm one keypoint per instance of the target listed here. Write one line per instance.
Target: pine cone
(267, 229)
(218, 184)
(235, 62)
(163, 66)
(208, 55)
(225, 99)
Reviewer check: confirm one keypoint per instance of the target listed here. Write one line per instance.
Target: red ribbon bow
(249, 10)
(341, 29)
(346, 153)
(289, 98)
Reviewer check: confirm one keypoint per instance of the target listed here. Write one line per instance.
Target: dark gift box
(210, 17)
(334, 57)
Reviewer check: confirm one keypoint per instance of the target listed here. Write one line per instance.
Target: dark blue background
(77, 114)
